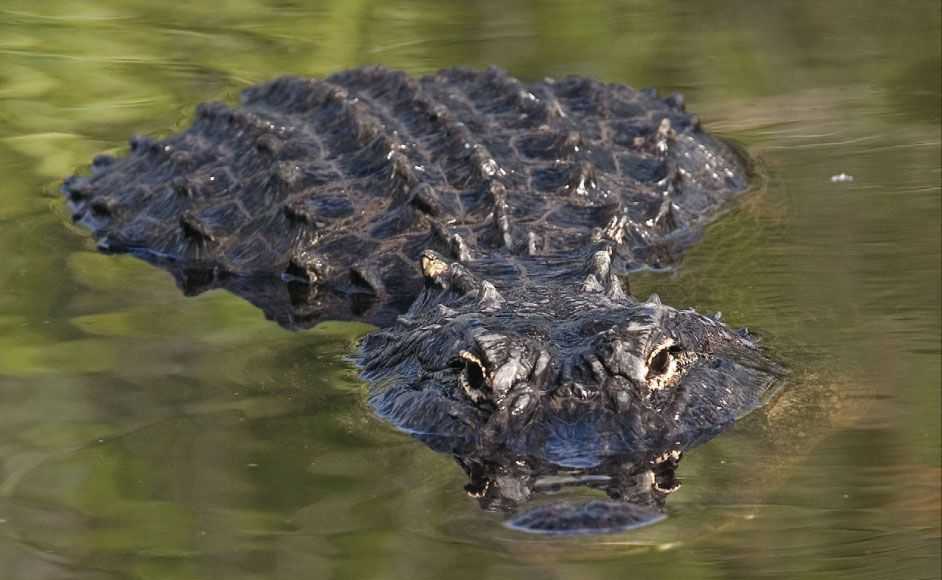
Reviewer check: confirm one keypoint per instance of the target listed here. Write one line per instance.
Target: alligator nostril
(573, 390)
(580, 392)
(563, 391)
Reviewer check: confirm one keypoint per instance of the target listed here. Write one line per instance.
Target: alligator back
(314, 198)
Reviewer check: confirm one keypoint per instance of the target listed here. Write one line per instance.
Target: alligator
(486, 226)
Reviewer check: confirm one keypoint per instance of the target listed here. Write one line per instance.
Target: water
(145, 435)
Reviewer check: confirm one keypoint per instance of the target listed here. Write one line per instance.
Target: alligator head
(570, 375)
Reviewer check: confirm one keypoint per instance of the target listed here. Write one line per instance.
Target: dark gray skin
(558, 371)
(485, 226)
(572, 372)
(315, 198)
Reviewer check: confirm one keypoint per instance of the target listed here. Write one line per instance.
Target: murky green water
(147, 435)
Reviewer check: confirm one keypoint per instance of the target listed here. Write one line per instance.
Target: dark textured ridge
(341, 182)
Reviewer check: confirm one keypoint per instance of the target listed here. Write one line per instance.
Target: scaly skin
(556, 371)
(483, 224)
(315, 198)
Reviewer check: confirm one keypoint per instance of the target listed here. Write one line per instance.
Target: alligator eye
(473, 376)
(662, 362)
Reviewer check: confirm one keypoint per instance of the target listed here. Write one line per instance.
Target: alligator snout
(576, 391)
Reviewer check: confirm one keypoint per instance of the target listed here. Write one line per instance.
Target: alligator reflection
(291, 304)
(636, 488)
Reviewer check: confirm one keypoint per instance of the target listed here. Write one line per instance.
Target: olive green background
(145, 435)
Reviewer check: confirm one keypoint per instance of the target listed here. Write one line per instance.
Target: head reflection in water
(537, 386)
(634, 488)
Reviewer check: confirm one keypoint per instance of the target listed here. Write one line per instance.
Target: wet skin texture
(485, 225)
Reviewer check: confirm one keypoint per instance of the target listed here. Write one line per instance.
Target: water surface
(147, 435)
